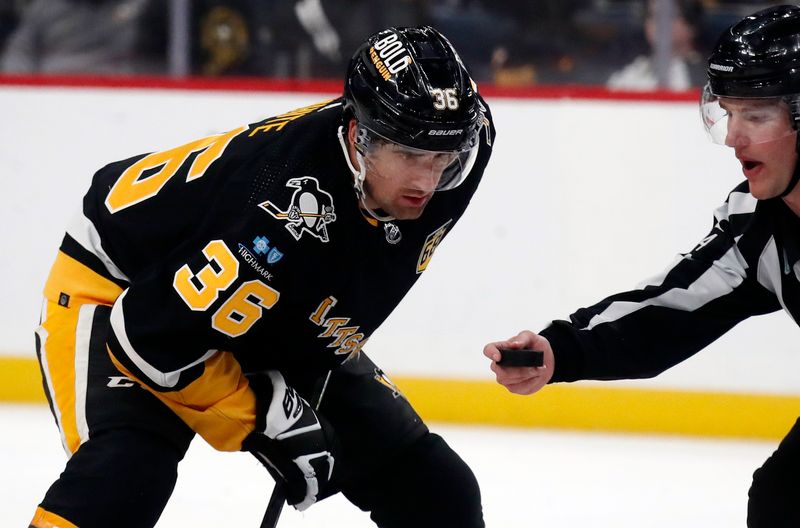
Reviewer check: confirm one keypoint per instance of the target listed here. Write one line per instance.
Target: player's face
(768, 164)
(401, 181)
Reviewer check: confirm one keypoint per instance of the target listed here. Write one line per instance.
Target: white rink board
(581, 199)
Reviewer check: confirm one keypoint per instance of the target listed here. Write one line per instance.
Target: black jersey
(251, 242)
(749, 264)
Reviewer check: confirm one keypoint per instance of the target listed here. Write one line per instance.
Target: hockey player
(748, 265)
(209, 288)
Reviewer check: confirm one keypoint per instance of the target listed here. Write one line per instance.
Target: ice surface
(528, 478)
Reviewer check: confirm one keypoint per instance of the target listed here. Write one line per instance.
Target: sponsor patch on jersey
(431, 243)
(310, 209)
(252, 260)
(347, 339)
(261, 247)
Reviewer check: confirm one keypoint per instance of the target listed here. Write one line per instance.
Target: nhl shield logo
(430, 245)
(310, 209)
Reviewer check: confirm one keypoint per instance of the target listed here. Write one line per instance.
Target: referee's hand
(522, 380)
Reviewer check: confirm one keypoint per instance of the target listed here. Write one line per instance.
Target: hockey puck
(521, 357)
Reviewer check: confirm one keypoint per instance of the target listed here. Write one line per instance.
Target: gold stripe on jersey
(82, 285)
(70, 286)
(45, 519)
(60, 327)
(219, 405)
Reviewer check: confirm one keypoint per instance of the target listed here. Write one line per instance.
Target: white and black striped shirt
(749, 264)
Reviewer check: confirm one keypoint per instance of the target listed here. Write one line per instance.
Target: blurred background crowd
(622, 44)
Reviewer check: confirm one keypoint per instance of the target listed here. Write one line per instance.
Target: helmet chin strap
(358, 178)
(796, 174)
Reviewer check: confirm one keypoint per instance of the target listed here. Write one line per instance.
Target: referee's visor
(735, 121)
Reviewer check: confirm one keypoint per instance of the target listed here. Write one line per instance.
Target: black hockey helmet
(758, 56)
(409, 86)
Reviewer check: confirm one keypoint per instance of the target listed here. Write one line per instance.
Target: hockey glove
(294, 444)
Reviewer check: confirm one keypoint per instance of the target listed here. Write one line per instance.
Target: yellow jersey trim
(80, 284)
(44, 519)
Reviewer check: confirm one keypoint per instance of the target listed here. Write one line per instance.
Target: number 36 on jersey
(241, 309)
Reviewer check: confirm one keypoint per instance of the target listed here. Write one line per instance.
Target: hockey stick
(277, 213)
(278, 497)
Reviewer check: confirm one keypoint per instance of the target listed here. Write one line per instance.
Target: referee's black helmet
(758, 56)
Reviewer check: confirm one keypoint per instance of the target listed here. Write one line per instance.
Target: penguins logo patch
(310, 210)
(431, 243)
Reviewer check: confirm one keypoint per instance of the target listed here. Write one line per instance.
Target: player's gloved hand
(292, 441)
(294, 213)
